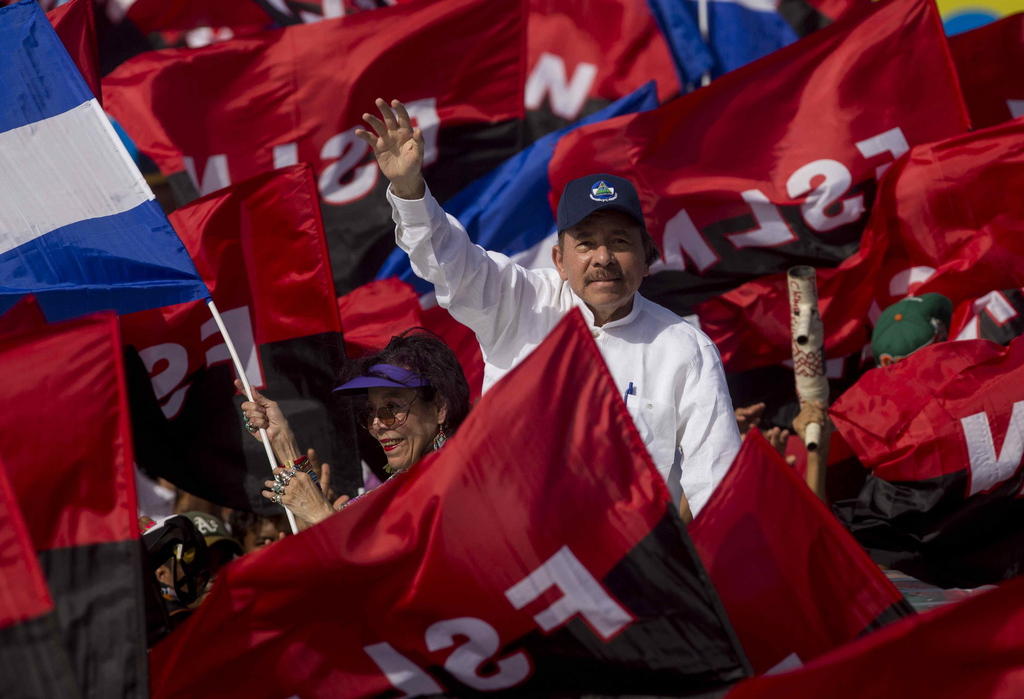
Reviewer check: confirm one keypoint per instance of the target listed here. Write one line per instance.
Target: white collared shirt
(672, 372)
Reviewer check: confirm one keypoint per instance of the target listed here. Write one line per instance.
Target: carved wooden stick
(809, 366)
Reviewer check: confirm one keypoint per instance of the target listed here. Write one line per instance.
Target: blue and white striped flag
(79, 226)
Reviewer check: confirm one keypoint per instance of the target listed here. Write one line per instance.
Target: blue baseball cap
(586, 195)
(384, 376)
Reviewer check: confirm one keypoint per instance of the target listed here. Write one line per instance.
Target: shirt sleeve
(486, 291)
(709, 438)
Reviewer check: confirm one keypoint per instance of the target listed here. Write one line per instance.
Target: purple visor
(384, 376)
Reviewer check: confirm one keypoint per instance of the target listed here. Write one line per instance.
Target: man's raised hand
(398, 148)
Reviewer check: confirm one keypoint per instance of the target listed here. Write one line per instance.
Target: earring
(440, 438)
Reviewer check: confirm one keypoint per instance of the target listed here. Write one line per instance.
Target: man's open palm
(397, 146)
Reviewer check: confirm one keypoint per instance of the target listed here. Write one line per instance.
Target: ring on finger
(278, 488)
(276, 499)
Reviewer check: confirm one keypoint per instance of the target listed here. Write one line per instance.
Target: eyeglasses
(389, 414)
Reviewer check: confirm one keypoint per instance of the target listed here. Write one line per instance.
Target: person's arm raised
(398, 147)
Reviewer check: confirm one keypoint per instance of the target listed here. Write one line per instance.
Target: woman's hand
(296, 491)
(265, 413)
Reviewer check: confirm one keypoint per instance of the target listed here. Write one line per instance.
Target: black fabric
(97, 592)
(928, 530)
(206, 451)
(674, 649)
(33, 661)
(681, 290)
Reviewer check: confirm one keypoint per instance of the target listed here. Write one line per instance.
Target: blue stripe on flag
(85, 266)
(72, 228)
(38, 79)
(507, 210)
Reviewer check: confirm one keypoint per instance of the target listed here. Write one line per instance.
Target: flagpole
(703, 25)
(264, 438)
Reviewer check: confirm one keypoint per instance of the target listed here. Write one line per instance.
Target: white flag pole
(248, 394)
(703, 25)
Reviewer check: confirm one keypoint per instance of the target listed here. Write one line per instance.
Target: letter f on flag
(79, 226)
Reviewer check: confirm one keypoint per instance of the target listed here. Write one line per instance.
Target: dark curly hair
(423, 352)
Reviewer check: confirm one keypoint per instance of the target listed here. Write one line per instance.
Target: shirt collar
(638, 301)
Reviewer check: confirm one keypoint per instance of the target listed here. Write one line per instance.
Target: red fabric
(26, 595)
(988, 60)
(67, 445)
(75, 24)
(463, 341)
(259, 246)
(26, 314)
(159, 15)
(946, 219)
(951, 207)
(441, 541)
(834, 9)
(830, 77)
(618, 37)
(295, 85)
(973, 648)
(903, 421)
(806, 587)
(374, 313)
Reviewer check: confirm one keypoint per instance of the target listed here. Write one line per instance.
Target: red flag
(260, 248)
(375, 312)
(730, 198)
(949, 220)
(25, 315)
(941, 432)
(291, 95)
(946, 220)
(584, 54)
(988, 60)
(794, 582)
(532, 493)
(75, 24)
(68, 452)
(35, 662)
(973, 648)
(150, 16)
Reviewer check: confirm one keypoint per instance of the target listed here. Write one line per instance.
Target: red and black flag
(67, 449)
(794, 582)
(260, 248)
(730, 197)
(216, 115)
(585, 54)
(942, 433)
(537, 553)
(988, 60)
(33, 659)
(946, 219)
(973, 648)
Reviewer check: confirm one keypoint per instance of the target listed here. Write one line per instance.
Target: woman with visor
(413, 396)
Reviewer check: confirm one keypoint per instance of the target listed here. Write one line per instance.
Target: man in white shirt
(670, 373)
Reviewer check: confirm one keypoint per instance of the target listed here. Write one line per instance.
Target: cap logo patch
(600, 191)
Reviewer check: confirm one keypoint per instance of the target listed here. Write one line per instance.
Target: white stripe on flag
(68, 168)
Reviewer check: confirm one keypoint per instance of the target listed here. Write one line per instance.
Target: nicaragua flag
(507, 209)
(79, 226)
(739, 31)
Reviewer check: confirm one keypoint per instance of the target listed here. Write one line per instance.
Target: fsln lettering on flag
(79, 226)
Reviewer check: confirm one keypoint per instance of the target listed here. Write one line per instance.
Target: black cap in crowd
(585, 195)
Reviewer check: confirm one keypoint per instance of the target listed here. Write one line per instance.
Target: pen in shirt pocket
(630, 391)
